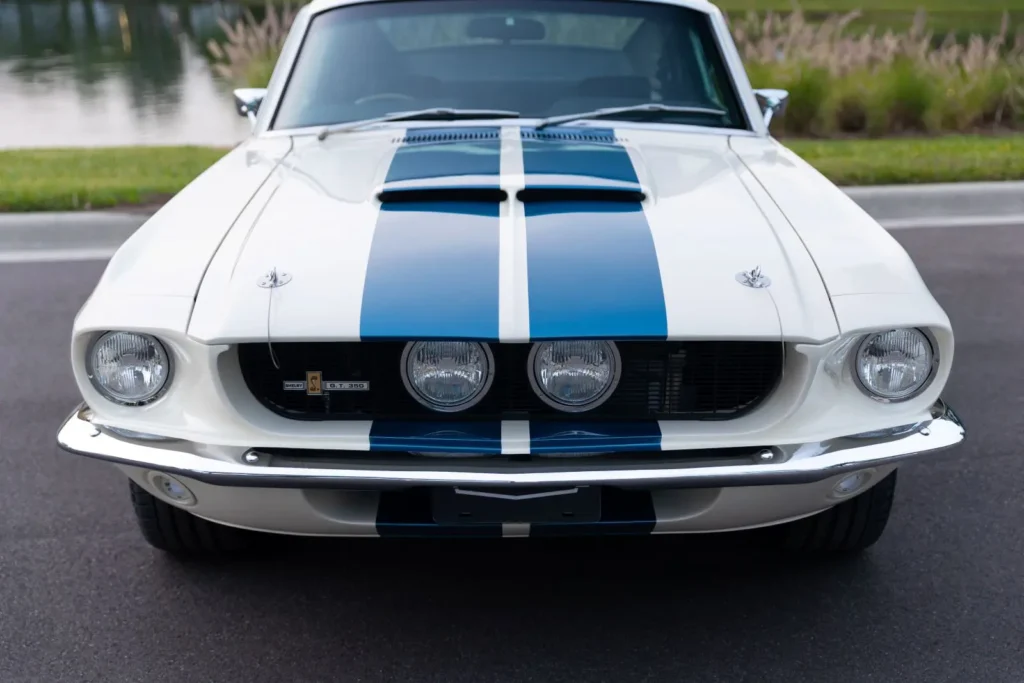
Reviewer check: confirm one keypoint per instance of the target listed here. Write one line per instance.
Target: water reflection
(95, 72)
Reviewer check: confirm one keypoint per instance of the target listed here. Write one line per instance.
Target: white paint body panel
(314, 218)
(719, 202)
(169, 254)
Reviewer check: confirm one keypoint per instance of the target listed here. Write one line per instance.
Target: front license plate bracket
(534, 505)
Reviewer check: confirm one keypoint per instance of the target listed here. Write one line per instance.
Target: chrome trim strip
(793, 464)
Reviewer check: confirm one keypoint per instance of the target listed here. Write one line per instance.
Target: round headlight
(447, 376)
(894, 365)
(128, 368)
(574, 375)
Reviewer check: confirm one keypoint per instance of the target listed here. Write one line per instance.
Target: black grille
(660, 381)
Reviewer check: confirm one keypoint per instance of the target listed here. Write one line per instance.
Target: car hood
(511, 234)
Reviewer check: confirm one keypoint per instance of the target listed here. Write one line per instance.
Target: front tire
(179, 533)
(850, 527)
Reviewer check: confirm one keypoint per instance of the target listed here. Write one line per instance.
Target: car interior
(368, 68)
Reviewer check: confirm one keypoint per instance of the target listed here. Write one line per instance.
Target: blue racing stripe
(556, 152)
(433, 272)
(624, 512)
(592, 267)
(594, 437)
(436, 437)
(408, 514)
(478, 153)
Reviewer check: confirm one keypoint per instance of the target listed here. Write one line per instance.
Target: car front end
(479, 323)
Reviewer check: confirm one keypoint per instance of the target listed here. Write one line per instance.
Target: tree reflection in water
(150, 49)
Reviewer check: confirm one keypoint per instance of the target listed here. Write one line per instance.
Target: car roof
(317, 6)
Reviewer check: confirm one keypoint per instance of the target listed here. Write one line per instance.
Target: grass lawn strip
(77, 179)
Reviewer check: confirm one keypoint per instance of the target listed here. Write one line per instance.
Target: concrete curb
(73, 228)
(97, 234)
(966, 203)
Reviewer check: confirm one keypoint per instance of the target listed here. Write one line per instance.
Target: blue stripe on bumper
(436, 437)
(594, 437)
(546, 438)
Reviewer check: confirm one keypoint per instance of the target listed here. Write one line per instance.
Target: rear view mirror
(506, 29)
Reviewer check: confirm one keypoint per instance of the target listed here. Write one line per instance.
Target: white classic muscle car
(510, 268)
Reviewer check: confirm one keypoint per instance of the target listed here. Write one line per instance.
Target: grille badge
(315, 385)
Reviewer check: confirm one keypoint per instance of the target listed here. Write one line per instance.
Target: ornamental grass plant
(883, 83)
(247, 56)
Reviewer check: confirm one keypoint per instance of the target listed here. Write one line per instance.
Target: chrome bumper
(787, 464)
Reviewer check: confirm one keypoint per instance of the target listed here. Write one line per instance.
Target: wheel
(850, 527)
(177, 532)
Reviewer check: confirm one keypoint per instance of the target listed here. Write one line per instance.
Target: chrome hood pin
(753, 278)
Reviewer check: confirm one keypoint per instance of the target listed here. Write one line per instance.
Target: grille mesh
(561, 135)
(659, 381)
(432, 136)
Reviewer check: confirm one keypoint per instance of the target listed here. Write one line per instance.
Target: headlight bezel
(90, 369)
(933, 367)
(457, 408)
(569, 408)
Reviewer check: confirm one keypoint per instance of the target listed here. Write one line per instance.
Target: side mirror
(772, 102)
(247, 102)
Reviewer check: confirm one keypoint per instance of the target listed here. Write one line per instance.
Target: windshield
(539, 58)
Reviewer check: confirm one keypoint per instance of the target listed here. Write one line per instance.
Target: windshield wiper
(433, 114)
(655, 109)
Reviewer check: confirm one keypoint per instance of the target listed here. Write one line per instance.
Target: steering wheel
(385, 96)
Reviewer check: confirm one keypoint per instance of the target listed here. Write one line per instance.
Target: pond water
(105, 72)
(97, 73)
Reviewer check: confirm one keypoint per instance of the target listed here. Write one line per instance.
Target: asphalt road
(940, 598)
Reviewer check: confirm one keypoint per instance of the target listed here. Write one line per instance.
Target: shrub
(905, 98)
(883, 83)
(248, 56)
(809, 109)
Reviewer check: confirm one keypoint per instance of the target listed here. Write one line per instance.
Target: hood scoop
(576, 193)
(462, 165)
(530, 195)
(441, 194)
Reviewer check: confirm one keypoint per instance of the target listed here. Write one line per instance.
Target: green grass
(66, 179)
(69, 179)
(924, 160)
(952, 6)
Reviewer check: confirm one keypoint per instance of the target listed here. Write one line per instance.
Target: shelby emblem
(315, 385)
